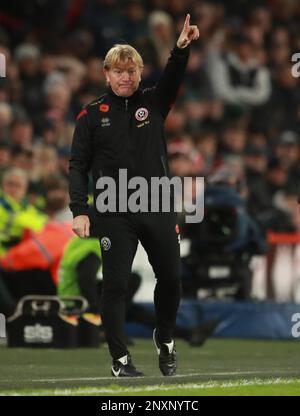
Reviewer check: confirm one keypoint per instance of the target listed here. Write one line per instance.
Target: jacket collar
(122, 100)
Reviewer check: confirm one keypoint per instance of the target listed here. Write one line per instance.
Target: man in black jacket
(123, 129)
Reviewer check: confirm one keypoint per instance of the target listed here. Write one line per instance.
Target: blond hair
(124, 54)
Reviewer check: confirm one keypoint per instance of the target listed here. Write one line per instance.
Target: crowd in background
(236, 120)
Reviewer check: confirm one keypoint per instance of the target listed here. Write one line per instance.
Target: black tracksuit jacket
(115, 133)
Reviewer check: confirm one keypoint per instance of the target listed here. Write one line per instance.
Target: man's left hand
(187, 34)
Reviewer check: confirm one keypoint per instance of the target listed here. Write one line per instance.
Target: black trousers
(119, 236)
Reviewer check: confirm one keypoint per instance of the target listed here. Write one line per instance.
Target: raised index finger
(187, 21)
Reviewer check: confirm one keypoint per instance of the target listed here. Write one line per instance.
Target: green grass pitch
(220, 367)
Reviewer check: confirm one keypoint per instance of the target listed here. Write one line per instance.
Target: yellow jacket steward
(15, 218)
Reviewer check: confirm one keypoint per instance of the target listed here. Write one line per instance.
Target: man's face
(15, 186)
(124, 79)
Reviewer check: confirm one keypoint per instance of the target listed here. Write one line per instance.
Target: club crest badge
(141, 114)
(105, 243)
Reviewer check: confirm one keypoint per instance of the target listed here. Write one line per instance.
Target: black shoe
(199, 334)
(123, 367)
(166, 356)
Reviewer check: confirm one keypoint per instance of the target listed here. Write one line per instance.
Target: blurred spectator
(32, 265)
(79, 44)
(288, 153)
(238, 78)
(22, 158)
(197, 83)
(184, 159)
(208, 15)
(277, 176)
(176, 121)
(5, 157)
(6, 117)
(58, 98)
(134, 21)
(94, 76)
(206, 143)
(287, 149)
(231, 173)
(16, 216)
(27, 58)
(261, 16)
(64, 154)
(46, 166)
(73, 71)
(259, 200)
(57, 199)
(21, 132)
(270, 210)
(103, 19)
(283, 108)
(162, 35)
(279, 48)
(47, 131)
(199, 99)
(233, 141)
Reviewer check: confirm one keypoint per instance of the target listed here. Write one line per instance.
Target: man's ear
(105, 72)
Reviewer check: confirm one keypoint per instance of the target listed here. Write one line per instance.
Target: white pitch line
(208, 385)
(231, 373)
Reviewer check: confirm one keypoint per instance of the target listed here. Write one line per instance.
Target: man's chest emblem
(141, 114)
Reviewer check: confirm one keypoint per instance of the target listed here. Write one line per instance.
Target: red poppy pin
(104, 108)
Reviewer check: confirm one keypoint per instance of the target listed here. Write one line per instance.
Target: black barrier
(51, 322)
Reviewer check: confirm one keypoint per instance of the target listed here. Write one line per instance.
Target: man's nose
(125, 76)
